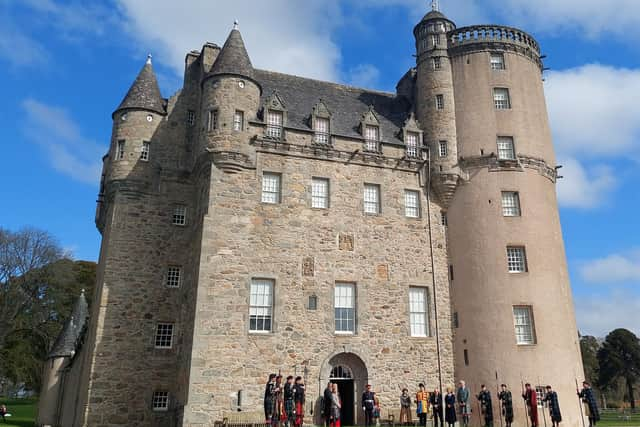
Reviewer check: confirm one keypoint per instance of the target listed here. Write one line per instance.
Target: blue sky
(65, 65)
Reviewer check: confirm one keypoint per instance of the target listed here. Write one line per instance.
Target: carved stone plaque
(345, 242)
(307, 266)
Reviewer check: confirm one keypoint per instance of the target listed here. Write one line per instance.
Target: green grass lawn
(615, 419)
(23, 412)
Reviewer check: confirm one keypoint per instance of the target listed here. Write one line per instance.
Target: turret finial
(235, 24)
(435, 5)
(149, 59)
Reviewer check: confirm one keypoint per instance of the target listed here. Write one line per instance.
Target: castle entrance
(349, 372)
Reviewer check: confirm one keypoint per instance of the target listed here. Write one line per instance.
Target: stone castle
(257, 222)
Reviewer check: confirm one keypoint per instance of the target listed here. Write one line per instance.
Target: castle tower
(510, 286)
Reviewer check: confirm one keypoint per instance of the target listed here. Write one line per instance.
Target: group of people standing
(284, 403)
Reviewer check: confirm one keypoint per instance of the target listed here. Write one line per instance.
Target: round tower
(435, 103)
(230, 98)
(509, 281)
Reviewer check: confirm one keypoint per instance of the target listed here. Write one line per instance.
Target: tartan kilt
(290, 408)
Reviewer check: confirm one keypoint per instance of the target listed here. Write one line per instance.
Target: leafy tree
(619, 359)
(589, 347)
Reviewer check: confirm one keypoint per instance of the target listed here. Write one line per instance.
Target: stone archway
(350, 372)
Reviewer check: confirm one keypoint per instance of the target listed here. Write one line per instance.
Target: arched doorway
(349, 372)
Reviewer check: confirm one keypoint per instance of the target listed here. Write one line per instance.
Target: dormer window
(274, 124)
(321, 130)
(412, 144)
(372, 137)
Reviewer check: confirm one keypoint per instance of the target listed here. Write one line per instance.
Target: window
(274, 124)
(160, 401)
(435, 63)
(164, 335)
(516, 259)
(174, 274)
(497, 61)
(321, 129)
(238, 120)
(510, 203)
(435, 39)
(371, 137)
(320, 193)
(313, 302)
(144, 154)
(412, 144)
(523, 321)
(271, 187)
(506, 149)
(191, 117)
(179, 215)
(439, 102)
(411, 204)
(443, 148)
(120, 150)
(466, 357)
(260, 305)
(372, 198)
(540, 394)
(501, 98)
(455, 322)
(443, 219)
(212, 120)
(344, 303)
(418, 312)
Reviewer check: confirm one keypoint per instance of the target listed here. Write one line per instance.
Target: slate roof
(233, 58)
(144, 93)
(67, 342)
(347, 104)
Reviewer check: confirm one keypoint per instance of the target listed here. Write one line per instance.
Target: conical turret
(65, 345)
(144, 93)
(233, 58)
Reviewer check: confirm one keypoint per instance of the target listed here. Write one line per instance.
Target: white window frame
(275, 123)
(344, 300)
(524, 325)
(511, 203)
(144, 152)
(238, 120)
(439, 101)
(418, 311)
(321, 130)
(506, 148)
(372, 137)
(412, 142)
(191, 117)
(173, 278)
(371, 199)
(496, 60)
(179, 216)
(443, 148)
(517, 259)
(120, 149)
(164, 335)
(160, 401)
(412, 204)
(212, 120)
(261, 305)
(271, 188)
(320, 192)
(501, 98)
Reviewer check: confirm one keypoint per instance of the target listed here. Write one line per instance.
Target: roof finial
(149, 59)
(435, 5)
(235, 24)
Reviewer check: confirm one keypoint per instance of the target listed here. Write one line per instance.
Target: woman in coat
(405, 408)
(450, 407)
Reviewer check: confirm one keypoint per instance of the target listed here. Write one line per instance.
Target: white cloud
(599, 314)
(363, 75)
(18, 49)
(68, 150)
(614, 268)
(582, 188)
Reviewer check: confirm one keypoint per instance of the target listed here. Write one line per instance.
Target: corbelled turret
(144, 93)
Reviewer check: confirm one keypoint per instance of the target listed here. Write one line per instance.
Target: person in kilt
(278, 414)
(551, 397)
(462, 396)
(299, 399)
(269, 403)
(289, 403)
(486, 406)
(506, 400)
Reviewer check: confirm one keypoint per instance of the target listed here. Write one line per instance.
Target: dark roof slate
(233, 58)
(347, 104)
(67, 342)
(144, 93)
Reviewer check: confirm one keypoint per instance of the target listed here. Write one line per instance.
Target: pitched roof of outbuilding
(67, 342)
(233, 58)
(347, 104)
(144, 93)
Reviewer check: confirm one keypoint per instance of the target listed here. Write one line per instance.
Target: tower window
(412, 144)
(372, 199)
(344, 306)
(516, 259)
(238, 120)
(455, 322)
(443, 148)
(320, 193)
(271, 183)
(260, 305)
(191, 117)
(501, 98)
(418, 320)
(212, 120)
(144, 153)
(174, 276)
(371, 138)
(523, 322)
(506, 148)
(435, 40)
(120, 149)
(179, 215)
(274, 124)
(313, 302)
(435, 63)
(164, 335)
(321, 130)
(510, 203)
(411, 204)
(160, 401)
(443, 219)
(497, 61)
(439, 102)
(466, 357)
